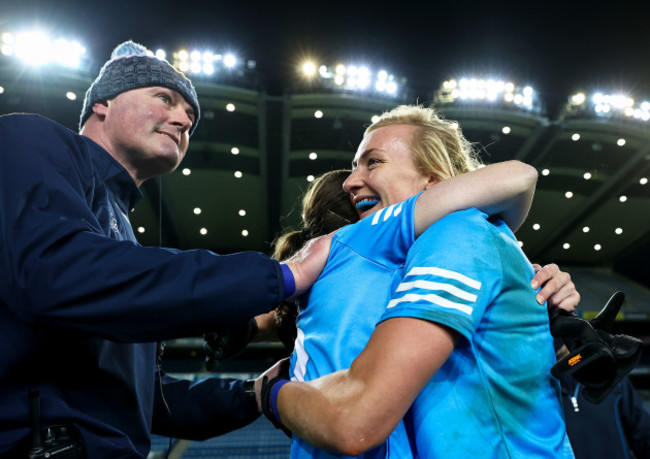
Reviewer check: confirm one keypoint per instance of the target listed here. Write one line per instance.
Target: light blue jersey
(494, 397)
(340, 312)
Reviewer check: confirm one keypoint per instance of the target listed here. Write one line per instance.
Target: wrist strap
(275, 389)
(289, 281)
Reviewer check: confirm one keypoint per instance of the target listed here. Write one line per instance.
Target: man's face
(147, 129)
(384, 170)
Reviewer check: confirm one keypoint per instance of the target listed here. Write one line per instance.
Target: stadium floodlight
(208, 69)
(195, 67)
(160, 54)
(352, 77)
(37, 49)
(324, 72)
(229, 60)
(487, 90)
(601, 104)
(309, 69)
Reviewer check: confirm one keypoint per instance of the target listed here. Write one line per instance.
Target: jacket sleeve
(636, 420)
(61, 269)
(200, 410)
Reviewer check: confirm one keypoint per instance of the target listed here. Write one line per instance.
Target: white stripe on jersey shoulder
(423, 270)
(388, 212)
(431, 298)
(301, 357)
(433, 286)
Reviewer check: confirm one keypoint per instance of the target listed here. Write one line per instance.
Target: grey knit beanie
(131, 66)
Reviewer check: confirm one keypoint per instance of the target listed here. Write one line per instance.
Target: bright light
(521, 243)
(575, 137)
(244, 233)
(208, 69)
(203, 231)
(585, 229)
(310, 178)
(374, 118)
(141, 229)
(318, 114)
(313, 155)
(536, 226)
(36, 48)
(238, 174)
(597, 247)
(195, 56)
(545, 172)
(618, 230)
(230, 107)
(71, 95)
(568, 194)
(620, 142)
(578, 99)
(242, 213)
(566, 246)
(2, 90)
(309, 69)
(623, 198)
(587, 175)
(229, 60)
(197, 211)
(186, 171)
(506, 130)
(643, 180)
(234, 150)
(161, 54)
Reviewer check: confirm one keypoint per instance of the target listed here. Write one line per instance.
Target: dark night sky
(556, 46)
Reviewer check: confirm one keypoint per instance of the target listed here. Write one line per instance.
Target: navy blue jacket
(82, 304)
(611, 429)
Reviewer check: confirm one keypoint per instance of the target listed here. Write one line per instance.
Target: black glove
(597, 359)
(227, 342)
(267, 387)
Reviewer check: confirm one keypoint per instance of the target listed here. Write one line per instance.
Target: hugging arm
(503, 189)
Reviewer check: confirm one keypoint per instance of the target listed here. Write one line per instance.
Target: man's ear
(100, 109)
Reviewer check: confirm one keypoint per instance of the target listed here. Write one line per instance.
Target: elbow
(528, 174)
(354, 440)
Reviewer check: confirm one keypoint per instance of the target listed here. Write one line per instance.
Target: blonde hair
(440, 150)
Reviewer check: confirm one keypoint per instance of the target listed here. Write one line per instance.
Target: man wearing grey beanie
(82, 304)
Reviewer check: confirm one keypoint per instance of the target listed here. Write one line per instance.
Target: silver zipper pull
(574, 402)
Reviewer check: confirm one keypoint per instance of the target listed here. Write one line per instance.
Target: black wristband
(267, 409)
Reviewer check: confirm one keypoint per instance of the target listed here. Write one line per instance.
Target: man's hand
(279, 370)
(307, 264)
(557, 287)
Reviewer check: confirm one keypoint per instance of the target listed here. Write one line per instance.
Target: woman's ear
(432, 181)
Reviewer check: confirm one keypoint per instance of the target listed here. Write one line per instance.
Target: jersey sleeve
(451, 274)
(385, 236)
